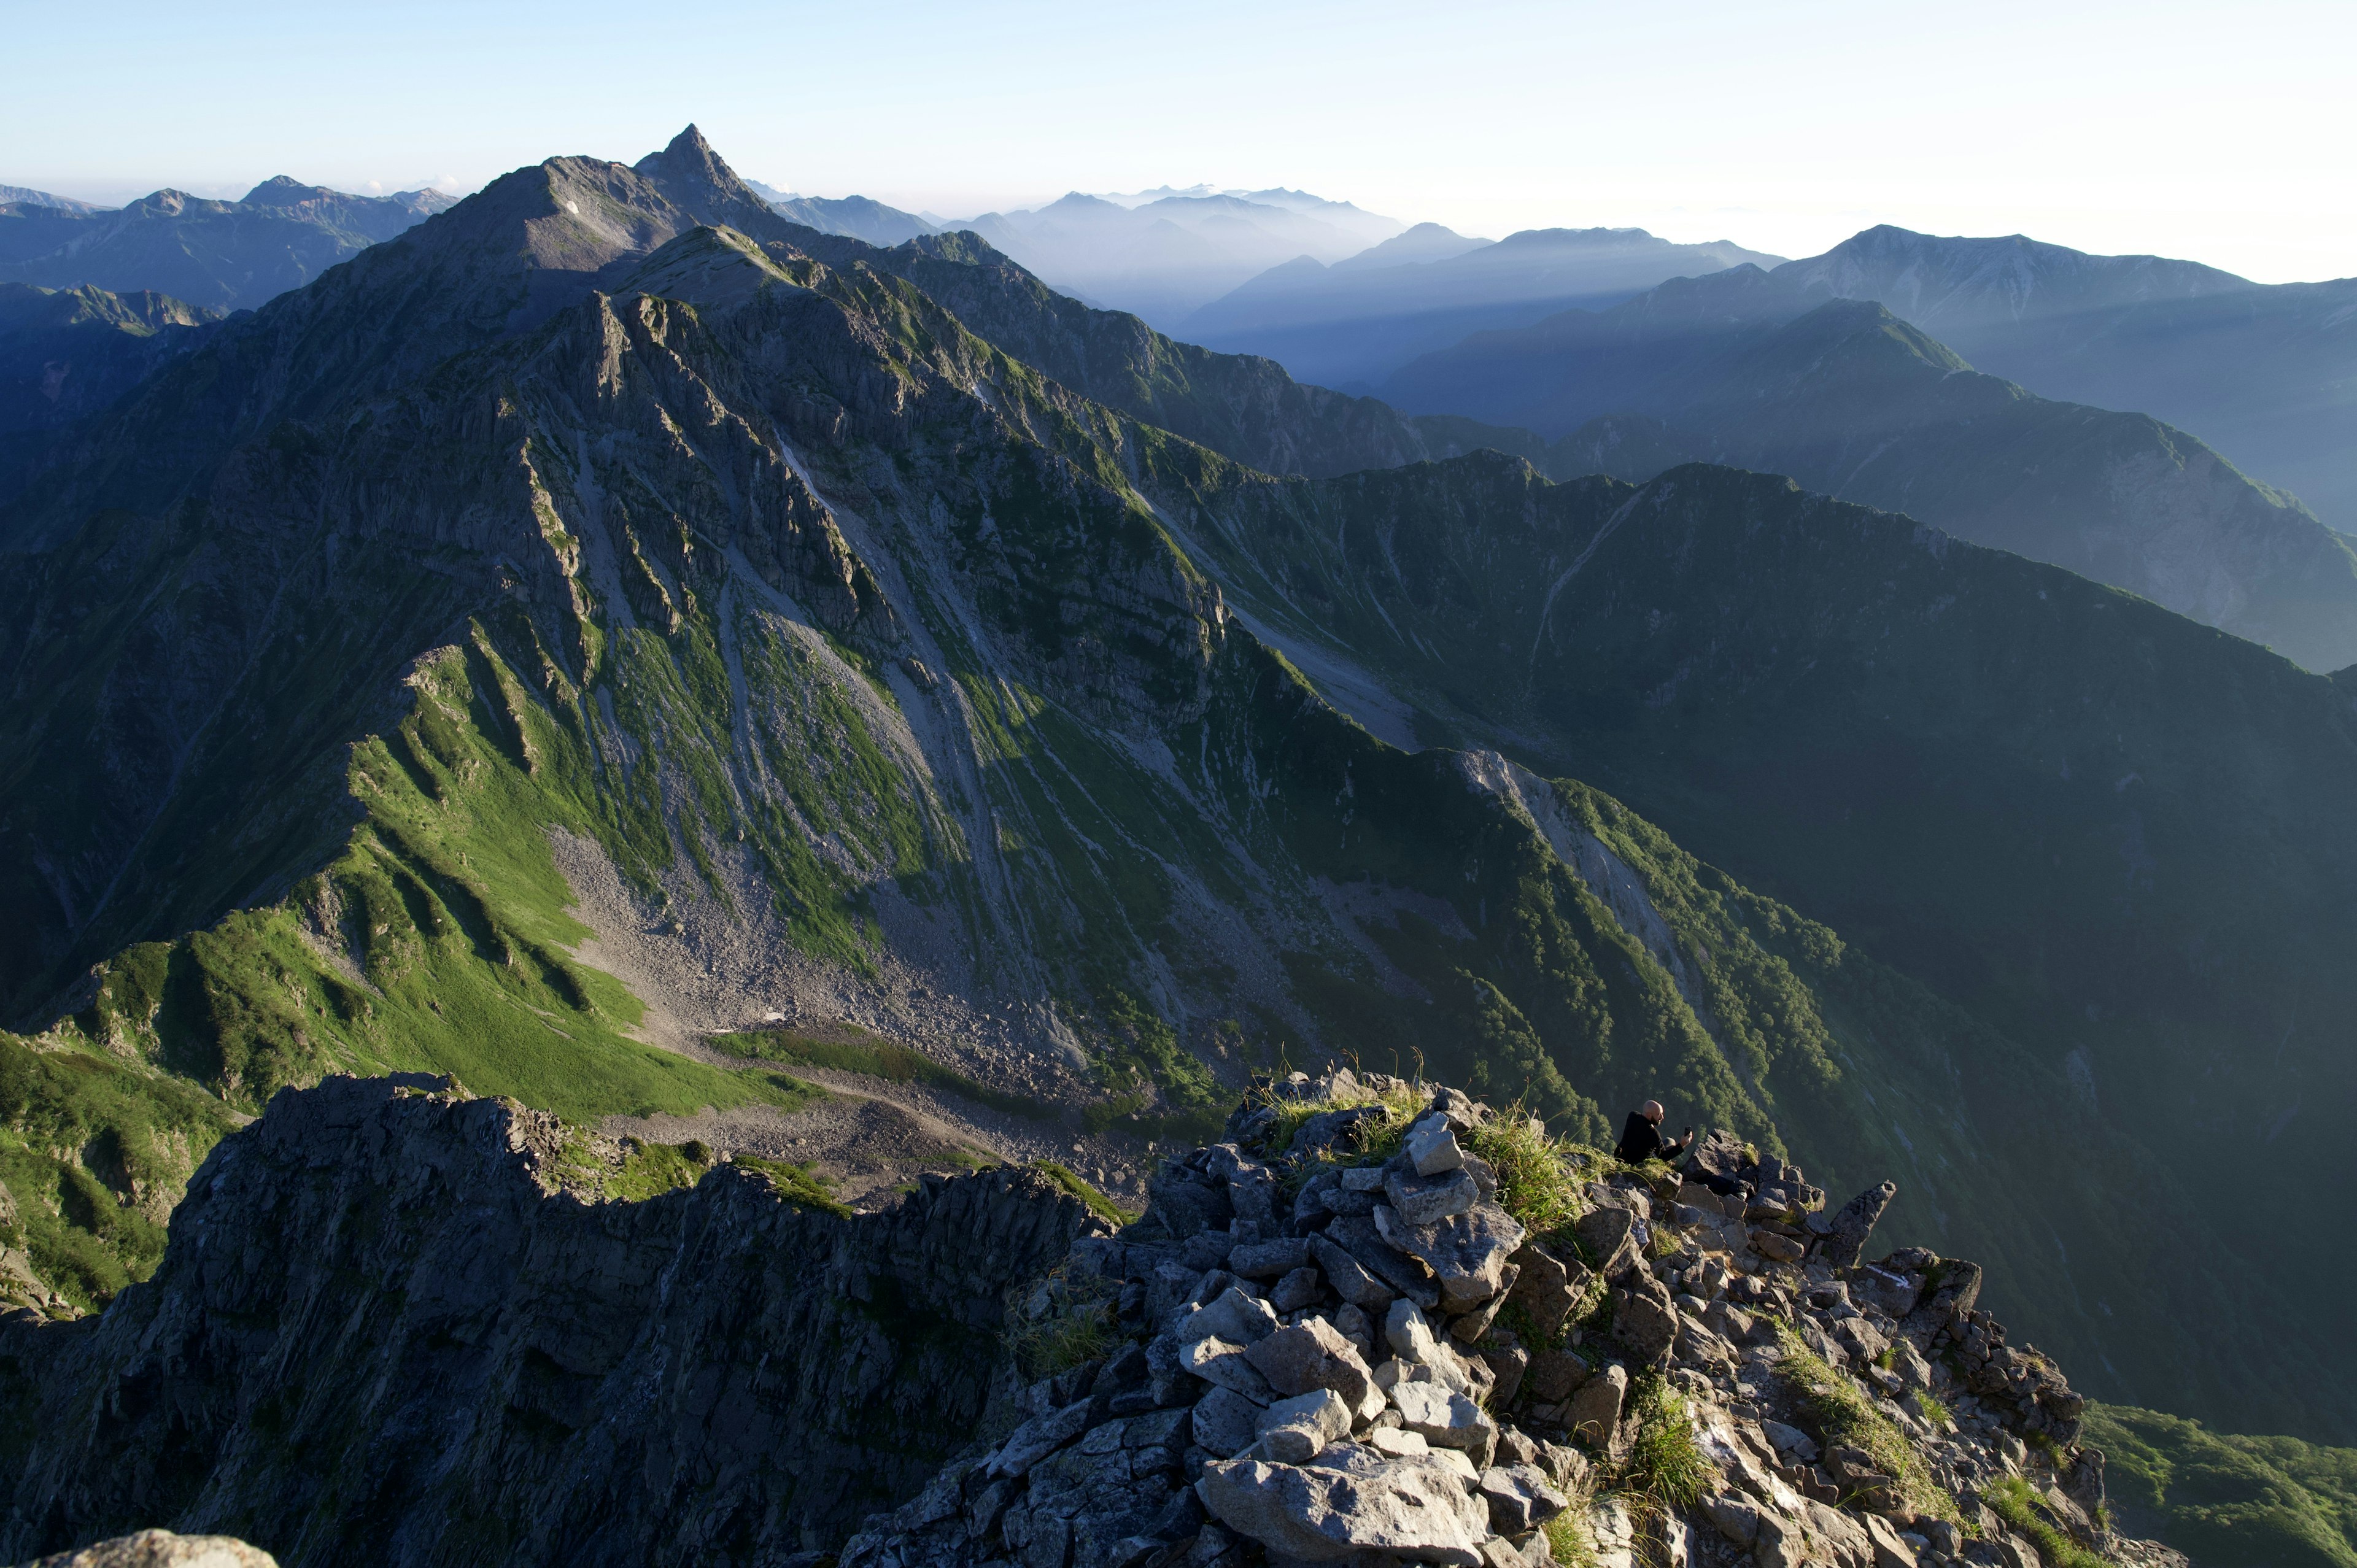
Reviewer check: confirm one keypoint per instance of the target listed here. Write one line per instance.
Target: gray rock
(1846, 1239)
(1549, 1288)
(1462, 1114)
(1466, 1253)
(1594, 1416)
(1349, 1277)
(1299, 1289)
(1445, 1418)
(1269, 1260)
(1424, 1199)
(1038, 1437)
(1313, 1355)
(1225, 1422)
(1733, 1515)
(1554, 1375)
(1403, 1274)
(1521, 1496)
(162, 1549)
(1431, 1147)
(1296, 1431)
(1232, 1315)
(1796, 1445)
(1507, 1364)
(1776, 1247)
(1644, 1319)
(1223, 1363)
(1328, 1513)
(1363, 1179)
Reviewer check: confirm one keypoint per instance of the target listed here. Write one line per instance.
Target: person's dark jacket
(1641, 1139)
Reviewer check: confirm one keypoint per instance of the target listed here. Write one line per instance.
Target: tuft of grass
(1845, 1415)
(1071, 1181)
(1928, 1406)
(1566, 1537)
(847, 1049)
(649, 1170)
(1665, 1465)
(798, 1184)
(1538, 1177)
(1075, 1327)
(2012, 1501)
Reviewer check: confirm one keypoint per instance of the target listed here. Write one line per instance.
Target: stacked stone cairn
(1321, 1356)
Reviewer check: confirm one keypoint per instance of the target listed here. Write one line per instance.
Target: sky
(2220, 134)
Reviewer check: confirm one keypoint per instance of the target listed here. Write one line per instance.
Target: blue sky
(2217, 133)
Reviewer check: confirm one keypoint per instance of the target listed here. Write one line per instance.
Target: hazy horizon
(1783, 133)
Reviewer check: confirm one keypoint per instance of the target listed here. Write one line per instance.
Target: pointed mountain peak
(692, 174)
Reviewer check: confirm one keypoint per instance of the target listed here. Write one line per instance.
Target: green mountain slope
(2063, 809)
(2237, 1502)
(796, 600)
(612, 540)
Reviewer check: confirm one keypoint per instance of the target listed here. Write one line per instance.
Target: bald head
(1651, 1110)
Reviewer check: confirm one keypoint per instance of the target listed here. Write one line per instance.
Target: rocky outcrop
(162, 1549)
(1292, 1384)
(384, 1332)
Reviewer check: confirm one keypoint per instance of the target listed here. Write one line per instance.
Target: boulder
(1269, 1260)
(1793, 1445)
(1548, 1289)
(1225, 1422)
(1594, 1414)
(1507, 1363)
(1300, 1288)
(1349, 1277)
(1954, 1297)
(1397, 1442)
(162, 1549)
(1403, 1274)
(1519, 1496)
(1431, 1147)
(1252, 1186)
(1460, 1111)
(1466, 1253)
(1775, 1246)
(1845, 1236)
(1225, 1365)
(1184, 1206)
(1296, 1431)
(1312, 1355)
(1232, 1315)
(1363, 1179)
(1445, 1418)
(1351, 1500)
(1427, 1199)
(1644, 1319)
(1554, 1375)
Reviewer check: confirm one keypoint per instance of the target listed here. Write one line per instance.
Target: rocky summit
(1379, 1322)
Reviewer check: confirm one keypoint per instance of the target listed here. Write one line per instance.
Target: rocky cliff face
(386, 1332)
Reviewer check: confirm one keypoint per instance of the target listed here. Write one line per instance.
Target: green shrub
(1665, 1465)
(1843, 1416)
(2010, 1497)
(1070, 1180)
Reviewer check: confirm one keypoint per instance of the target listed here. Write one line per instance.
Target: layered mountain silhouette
(2261, 373)
(1762, 370)
(228, 255)
(950, 648)
(1353, 323)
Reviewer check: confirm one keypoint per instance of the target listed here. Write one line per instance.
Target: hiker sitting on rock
(1642, 1139)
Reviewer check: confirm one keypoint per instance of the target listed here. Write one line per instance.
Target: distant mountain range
(2264, 374)
(1856, 404)
(15, 195)
(1163, 258)
(229, 255)
(1351, 324)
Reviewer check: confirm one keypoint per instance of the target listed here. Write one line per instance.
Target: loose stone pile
(1315, 1352)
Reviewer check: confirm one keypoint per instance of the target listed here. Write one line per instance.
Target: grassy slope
(2230, 1502)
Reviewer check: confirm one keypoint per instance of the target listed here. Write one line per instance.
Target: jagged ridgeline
(866, 602)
